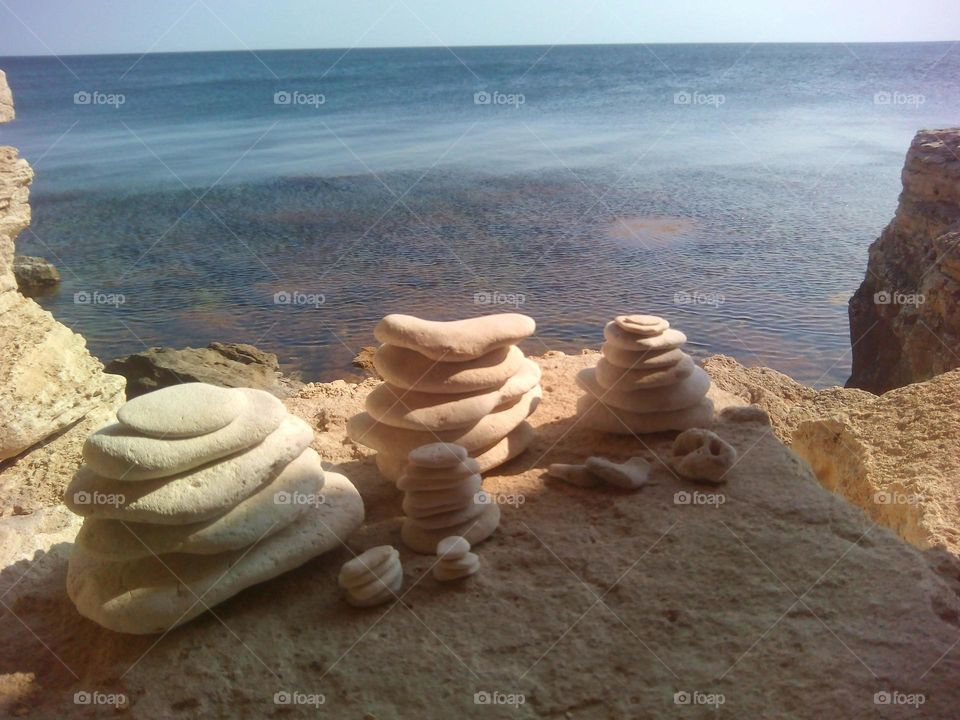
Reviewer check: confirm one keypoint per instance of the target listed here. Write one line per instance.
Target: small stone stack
(464, 382)
(442, 497)
(644, 383)
(454, 559)
(372, 578)
(197, 492)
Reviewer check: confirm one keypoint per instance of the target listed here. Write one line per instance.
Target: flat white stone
(457, 339)
(196, 495)
(369, 564)
(630, 475)
(363, 429)
(437, 455)
(415, 410)
(641, 359)
(612, 377)
(461, 494)
(667, 340)
(448, 569)
(409, 370)
(419, 478)
(644, 325)
(573, 474)
(598, 416)
(453, 547)
(378, 590)
(684, 394)
(474, 530)
(151, 595)
(185, 410)
(116, 452)
(271, 508)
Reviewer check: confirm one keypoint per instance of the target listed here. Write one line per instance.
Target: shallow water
(206, 206)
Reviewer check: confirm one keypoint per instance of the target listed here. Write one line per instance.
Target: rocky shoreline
(831, 553)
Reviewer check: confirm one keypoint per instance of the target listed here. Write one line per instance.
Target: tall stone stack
(644, 383)
(195, 494)
(464, 382)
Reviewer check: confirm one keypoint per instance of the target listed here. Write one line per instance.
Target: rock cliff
(905, 317)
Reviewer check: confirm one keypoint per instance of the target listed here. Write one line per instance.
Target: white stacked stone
(463, 382)
(644, 383)
(443, 497)
(372, 578)
(455, 561)
(197, 492)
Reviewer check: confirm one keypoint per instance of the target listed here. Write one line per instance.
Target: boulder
(6, 100)
(904, 318)
(34, 274)
(223, 364)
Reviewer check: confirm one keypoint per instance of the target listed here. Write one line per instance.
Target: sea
(289, 199)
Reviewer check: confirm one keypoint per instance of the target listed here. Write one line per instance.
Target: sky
(66, 27)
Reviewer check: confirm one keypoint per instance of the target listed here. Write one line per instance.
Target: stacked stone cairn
(372, 578)
(644, 383)
(442, 497)
(464, 382)
(454, 559)
(196, 493)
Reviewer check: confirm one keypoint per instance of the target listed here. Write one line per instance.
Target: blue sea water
(291, 198)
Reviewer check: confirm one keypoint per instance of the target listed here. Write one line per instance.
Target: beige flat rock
(475, 531)
(117, 452)
(378, 588)
(643, 325)
(684, 394)
(623, 422)
(448, 569)
(435, 455)
(426, 502)
(181, 411)
(194, 496)
(415, 410)
(514, 444)
(573, 474)
(363, 429)
(153, 595)
(453, 547)
(457, 339)
(699, 454)
(667, 340)
(419, 478)
(410, 370)
(629, 475)
(641, 359)
(612, 377)
(270, 509)
(369, 564)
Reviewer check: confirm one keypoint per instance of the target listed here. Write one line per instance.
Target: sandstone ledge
(784, 598)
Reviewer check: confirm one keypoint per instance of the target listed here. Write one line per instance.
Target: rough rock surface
(34, 273)
(48, 380)
(592, 603)
(898, 457)
(6, 100)
(905, 317)
(787, 402)
(224, 364)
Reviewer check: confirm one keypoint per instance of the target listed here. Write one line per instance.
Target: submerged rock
(34, 274)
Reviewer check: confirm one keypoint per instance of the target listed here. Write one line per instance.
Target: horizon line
(465, 47)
